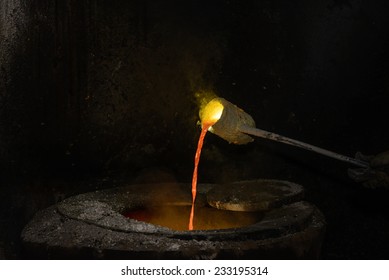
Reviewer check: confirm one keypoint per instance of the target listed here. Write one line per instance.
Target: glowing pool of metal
(277, 223)
(175, 216)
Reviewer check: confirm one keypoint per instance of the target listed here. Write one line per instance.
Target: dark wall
(105, 86)
(98, 85)
(107, 89)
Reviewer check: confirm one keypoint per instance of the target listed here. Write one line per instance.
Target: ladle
(235, 126)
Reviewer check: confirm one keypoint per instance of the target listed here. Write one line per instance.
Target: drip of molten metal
(209, 116)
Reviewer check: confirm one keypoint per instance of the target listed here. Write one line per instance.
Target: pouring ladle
(236, 126)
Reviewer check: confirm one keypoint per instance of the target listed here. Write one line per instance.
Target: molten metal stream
(194, 179)
(209, 115)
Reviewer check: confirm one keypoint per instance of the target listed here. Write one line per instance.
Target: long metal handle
(279, 138)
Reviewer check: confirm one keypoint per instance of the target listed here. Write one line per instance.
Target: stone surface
(56, 237)
(91, 226)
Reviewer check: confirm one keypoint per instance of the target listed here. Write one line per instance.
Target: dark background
(94, 94)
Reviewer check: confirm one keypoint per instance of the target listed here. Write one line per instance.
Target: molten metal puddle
(208, 218)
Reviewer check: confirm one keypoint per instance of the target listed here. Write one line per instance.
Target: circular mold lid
(256, 195)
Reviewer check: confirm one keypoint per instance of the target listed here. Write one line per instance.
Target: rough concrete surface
(83, 226)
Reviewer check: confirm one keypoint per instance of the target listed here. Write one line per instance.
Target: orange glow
(208, 218)
(211, 113)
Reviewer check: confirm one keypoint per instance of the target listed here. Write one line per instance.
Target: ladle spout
(228, 122)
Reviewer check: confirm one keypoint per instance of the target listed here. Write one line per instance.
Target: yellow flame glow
(204, 96)
(211, 113)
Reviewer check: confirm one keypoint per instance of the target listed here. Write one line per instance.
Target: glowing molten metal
(209, 115)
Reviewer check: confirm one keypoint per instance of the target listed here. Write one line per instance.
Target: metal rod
(279, 138)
